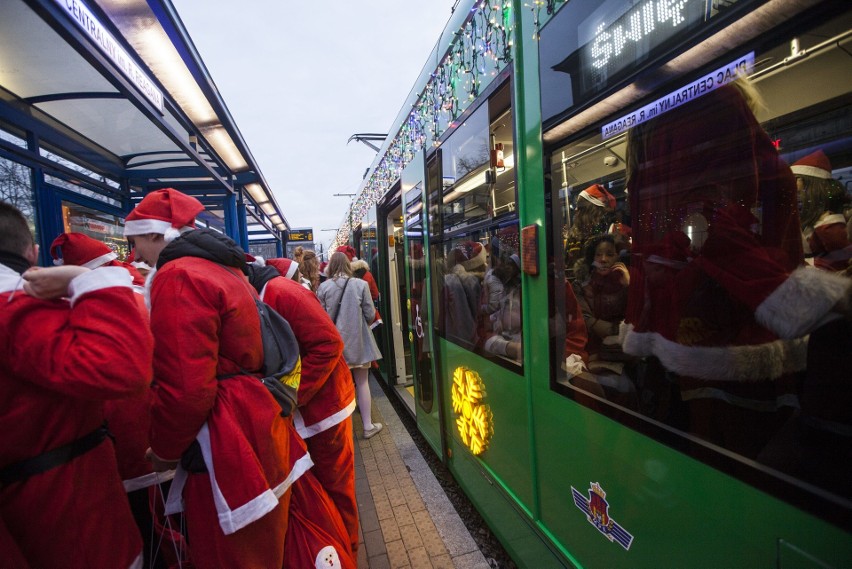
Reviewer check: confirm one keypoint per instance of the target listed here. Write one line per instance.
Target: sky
(300, 78)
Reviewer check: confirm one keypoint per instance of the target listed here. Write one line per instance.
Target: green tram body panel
(547, 450)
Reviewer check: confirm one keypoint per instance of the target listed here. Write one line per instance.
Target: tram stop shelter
(102, 101)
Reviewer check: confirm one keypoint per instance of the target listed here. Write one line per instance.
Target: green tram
(711, 440)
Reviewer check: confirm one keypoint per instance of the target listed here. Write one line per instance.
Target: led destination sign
(300, 235)
(701, 86)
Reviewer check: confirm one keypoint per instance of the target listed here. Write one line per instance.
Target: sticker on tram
(596, 509)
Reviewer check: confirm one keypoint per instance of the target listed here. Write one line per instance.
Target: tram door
(417, 278)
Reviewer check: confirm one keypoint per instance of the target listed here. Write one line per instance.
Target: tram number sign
(300, 235)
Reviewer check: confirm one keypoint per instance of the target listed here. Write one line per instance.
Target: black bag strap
(20, 471)
(340, 302)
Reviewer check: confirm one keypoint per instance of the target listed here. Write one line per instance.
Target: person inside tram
(210, 414)
(462, 291)
(719, 295)
(65, 333)
(503, 336)
(594, 214)
(822, 204)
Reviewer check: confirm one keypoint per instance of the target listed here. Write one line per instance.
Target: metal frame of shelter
(104, 101)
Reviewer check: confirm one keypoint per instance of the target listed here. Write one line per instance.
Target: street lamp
(351, 203)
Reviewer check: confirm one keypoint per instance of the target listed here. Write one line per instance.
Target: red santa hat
(80, 249)
(471, 255)
(815, 164)
(346, 250)
(287, 267)
(168, 212)
(598, 195)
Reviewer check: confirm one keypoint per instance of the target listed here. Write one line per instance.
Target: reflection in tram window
(731, 215)
(475, 237)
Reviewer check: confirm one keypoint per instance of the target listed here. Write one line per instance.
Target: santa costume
(718, 290)
(61, 359)
(326, 394)
(209, 409)
(128, 419)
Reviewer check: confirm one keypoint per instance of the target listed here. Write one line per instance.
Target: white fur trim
(171, 234)
(302, 465)
(105, 277)
(137, 563)
(58, 262)
(725, 363)
(145, 226)
(585, 195)
(10, 279)
(802, 302)
(259, 261)
(830, 220)
(811, 171)
(327, 558)
(174, 501)
(233, 520)
(98, 261)
(149, 282)
(307, 431)
(148, 480)
(291, 270)
(359, 264)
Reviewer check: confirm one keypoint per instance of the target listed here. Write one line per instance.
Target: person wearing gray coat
(347, 300)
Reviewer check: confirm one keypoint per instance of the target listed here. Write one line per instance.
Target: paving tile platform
(407, 521)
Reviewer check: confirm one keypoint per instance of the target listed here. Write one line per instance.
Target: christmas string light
(481, 49)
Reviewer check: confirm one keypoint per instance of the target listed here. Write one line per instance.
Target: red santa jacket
(60, 360)
(207, 327)
(326, 393)
(715, 291)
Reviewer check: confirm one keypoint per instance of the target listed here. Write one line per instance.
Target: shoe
(374, 431)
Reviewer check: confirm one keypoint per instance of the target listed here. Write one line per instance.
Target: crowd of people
(203, 467)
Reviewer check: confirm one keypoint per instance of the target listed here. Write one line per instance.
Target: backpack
(282, 366)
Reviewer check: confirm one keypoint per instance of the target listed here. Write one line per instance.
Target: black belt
(20, 471)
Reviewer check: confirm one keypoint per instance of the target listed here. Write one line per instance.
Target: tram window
(16, 188)
(475, 246)
(658, 237)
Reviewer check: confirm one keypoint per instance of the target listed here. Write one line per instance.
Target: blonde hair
(339, 265)
(309, 267)
(298, 252)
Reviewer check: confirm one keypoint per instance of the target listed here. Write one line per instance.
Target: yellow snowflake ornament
(474, 420)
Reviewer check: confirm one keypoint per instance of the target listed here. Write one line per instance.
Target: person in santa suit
(718, 290)
(822, 201)
(128, 419)
(64, 333)
(326, 393)
(210, 412)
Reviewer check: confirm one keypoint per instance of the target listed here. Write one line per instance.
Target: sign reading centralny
(86, 21)
(701, 86)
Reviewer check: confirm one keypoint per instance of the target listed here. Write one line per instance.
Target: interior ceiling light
(754, 24)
